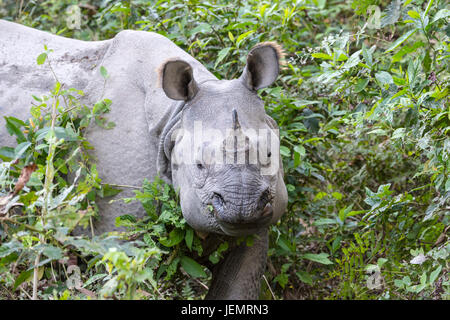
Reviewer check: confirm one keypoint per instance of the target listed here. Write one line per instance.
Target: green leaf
(125, 220)
(285, 152)
(361, 85)
(13, 127)
(377, 132)
(322, 56)
(301, 103)
(320, 258)
(217, 255)
(337, 195)
(304, 277)
(52, 252)
(441, 14)
(10, 247)
(320, 195)
(430, 3)
(94, 278)
(300, 150)
(230, 35)
(405, 50)
(426, 62)
(400, 93)
(243, 36)
(42, 133)
(101, 106)
(435, 274)
(324, 221)
(398, 133)
(297, 160)
(413, 72)
(189, 237)
(201, 28)
(367, 55)
(221, 55)
(352, 61)
(23, 276)
(21, 149)
(7, 152)
(344, 212)
(381, 262)
(423, 278)
(384, 77)
(413, 14)
(41, 58)
(282, 279)
(109, 191)
(400, 40)
(392, 13)
(175, 237)
(284, 244)
(193, 268)
(61, 133)
(104, 72)
(354, 213)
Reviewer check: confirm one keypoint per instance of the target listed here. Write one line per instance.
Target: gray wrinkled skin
(157, 89)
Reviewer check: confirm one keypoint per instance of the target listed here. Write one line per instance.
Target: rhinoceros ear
(178, 80)
(263, 65)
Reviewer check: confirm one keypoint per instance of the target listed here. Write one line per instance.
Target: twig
(121, 185)
(9, 292)
(21, 224)
(268, 285)
(53, 272)
(20, 8)
(202, 284)
(25, 292)
(20, 287)
(91, 224)
(217, 34)
(70, 109)
(156, 288)
(35, 276)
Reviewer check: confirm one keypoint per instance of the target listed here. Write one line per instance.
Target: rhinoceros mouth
(243, 228)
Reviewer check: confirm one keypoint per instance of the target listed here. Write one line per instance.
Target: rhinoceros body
(145, 69)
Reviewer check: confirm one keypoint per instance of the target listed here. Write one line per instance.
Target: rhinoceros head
(222, 149)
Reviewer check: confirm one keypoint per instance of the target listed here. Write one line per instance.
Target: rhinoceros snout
(242, 215)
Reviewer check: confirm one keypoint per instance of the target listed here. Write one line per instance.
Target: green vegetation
(363, 109)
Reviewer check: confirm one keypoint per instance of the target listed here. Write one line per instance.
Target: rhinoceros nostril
(217, 200)
(218, 196)
(264, 199)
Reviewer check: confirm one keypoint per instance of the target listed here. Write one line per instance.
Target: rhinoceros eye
(200, 166)
(269, 154)
(200, 175)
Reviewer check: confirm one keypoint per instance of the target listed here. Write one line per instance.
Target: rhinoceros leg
(238, 276)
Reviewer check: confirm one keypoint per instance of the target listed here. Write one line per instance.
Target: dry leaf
(87, 292)
(24, 177)
(441, 237)
(201, 234)
(3, 203)
(5, 199)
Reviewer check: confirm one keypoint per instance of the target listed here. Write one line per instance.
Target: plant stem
(35, 277)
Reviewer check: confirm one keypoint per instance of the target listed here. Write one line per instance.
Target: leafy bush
(362, 104)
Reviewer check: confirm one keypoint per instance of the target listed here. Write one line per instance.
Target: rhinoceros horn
(236, 143)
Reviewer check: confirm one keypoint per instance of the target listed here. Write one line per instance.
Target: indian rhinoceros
(160, 97)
